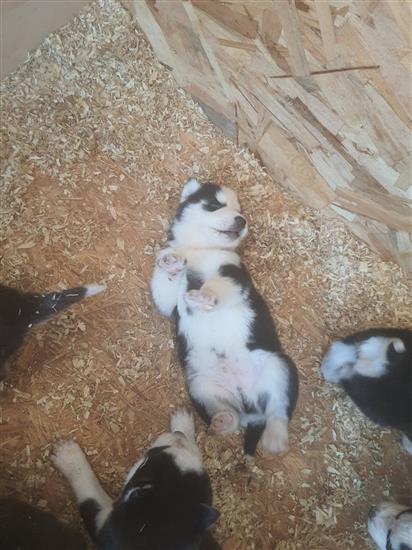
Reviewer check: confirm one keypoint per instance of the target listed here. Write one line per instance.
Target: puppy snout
(372, 512)
(240, 222)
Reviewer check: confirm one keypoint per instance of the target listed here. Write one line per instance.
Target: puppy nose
(372, 512)
(240, 222)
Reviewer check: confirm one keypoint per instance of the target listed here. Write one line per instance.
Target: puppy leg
(279, 391)
(212, 402)
(94, 504)
(217, 291)
(166, 280)
(275, 437)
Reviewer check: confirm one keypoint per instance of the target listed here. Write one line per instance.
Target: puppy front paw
(68, 457)
(171, 263)
(202, 299)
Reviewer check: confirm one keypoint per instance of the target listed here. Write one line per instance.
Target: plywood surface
(320, 91)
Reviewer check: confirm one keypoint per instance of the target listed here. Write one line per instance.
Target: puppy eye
(212, 206)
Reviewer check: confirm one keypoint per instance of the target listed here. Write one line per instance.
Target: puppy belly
(230, 381)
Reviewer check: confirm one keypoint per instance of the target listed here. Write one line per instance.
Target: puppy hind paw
(224, 422)
(201, 299)
(275, 438)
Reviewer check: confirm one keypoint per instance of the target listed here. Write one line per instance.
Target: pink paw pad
(201, 299)
(224, 422)
(171, 263)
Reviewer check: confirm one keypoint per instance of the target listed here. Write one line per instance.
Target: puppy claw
(201, 299)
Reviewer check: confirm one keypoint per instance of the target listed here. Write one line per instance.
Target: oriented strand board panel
(320, 91)
(25, 23)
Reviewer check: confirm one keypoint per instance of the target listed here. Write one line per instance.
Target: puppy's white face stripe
(372, 355)
(186, 453)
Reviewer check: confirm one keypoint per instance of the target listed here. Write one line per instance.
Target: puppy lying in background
(20, 311)
(390, 526)
(24, 527)
(166, 500)
(375, 368)
(236, 371)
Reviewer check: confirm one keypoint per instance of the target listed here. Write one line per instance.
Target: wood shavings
(90, 128)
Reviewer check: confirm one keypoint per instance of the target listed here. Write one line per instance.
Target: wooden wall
(319, 89)
(25, 23)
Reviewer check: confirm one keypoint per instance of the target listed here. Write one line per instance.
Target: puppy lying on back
(236, 371)
(24, 527)
(390, 526)
(375, 368)
(166, 500)
(20, 311)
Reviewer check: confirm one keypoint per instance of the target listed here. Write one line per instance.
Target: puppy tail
(40, 307)
(253, 433)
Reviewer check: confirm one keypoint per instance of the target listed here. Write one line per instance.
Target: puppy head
(209, 216)
(165, 502)
(390, 526)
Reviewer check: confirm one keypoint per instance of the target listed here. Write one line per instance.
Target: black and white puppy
(236, 371)
(375, 368)
(390, 526)
(24, 527)
(166, 500)
(20, 311)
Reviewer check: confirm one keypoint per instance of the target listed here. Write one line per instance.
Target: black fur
(387, 400)
(20, 311)
(263, 335)
(24, 527)
(160, 508)
(206, 194)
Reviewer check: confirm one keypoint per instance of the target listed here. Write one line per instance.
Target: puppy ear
(207, 517)
(191, 186)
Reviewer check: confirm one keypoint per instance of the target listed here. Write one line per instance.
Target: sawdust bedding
(97, 142)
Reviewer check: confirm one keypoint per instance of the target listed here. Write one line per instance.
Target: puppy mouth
(232, 234)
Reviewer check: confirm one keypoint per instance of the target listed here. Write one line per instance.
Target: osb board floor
(97, 143)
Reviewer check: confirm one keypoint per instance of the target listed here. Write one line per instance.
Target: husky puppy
(375, 368)
(24, 527)
(165, 503)
(20, 311)
(236, 371)
(390, 526)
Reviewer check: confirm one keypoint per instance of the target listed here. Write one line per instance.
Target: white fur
(407, 444)
(191, 186)
(367, 358)
(70, 460)
(384, 519)
(372, 360)
(94, 289)
(182, 421)
(338, 362)
(183, 449)
(218, 325)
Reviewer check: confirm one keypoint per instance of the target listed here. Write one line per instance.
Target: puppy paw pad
(224, 422)
(171, 263)
(202, 299)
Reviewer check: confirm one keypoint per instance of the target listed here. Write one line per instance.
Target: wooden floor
(97, 146)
